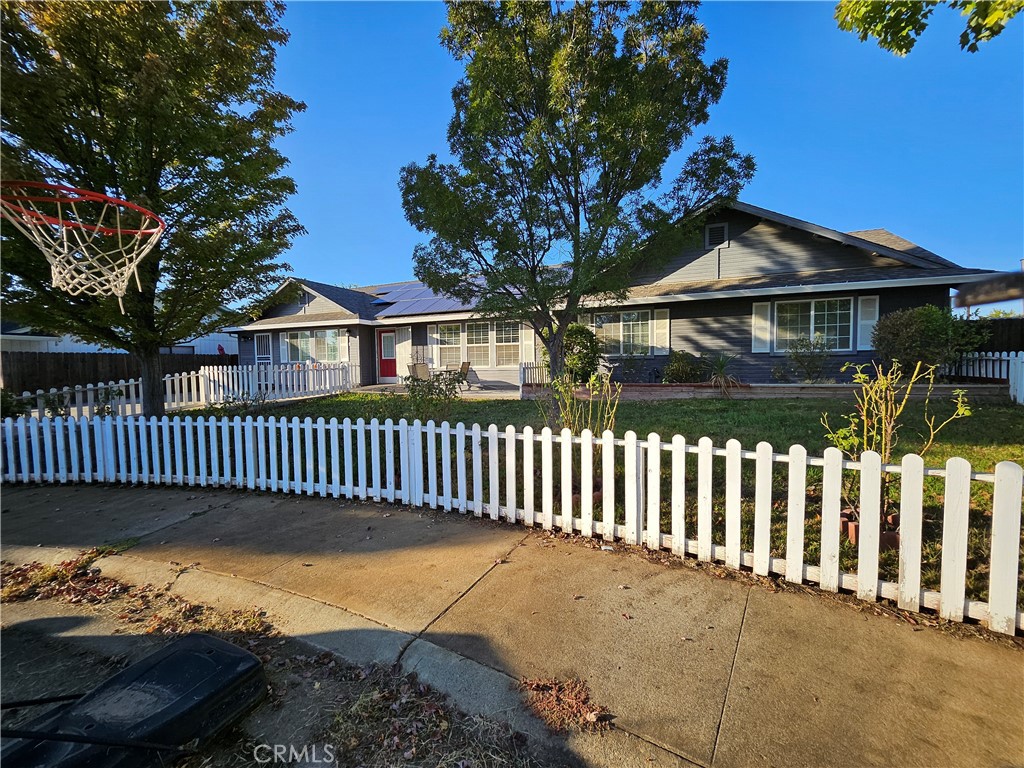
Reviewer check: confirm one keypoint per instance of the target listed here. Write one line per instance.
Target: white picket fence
(994, 366)
(210, 385)
(533, 373)
(597, 486)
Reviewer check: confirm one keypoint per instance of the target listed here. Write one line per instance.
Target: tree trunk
(152, 382)
(556, 352)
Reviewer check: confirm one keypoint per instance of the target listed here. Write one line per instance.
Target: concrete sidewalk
(696, 669)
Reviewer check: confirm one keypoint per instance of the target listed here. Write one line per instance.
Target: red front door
(387, 367)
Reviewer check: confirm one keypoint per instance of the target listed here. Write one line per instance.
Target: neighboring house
(756, 282)
(15, 337)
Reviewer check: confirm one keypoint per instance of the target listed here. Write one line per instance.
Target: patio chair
(419, 371)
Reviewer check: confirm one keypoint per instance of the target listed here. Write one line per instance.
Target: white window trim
(311, 346)
(707, 235)
(775, 321)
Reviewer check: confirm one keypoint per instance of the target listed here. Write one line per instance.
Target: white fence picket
(631, 488)
(546, 471)
(763, 509)
(1006, 508)
(653, 528)
(733, 499)
(565, 441)
(678, 479)
(608, 485)
(586, 483)
(870, 525)
(795, 514)
(954, 539)
(511, 474)
(493, 482)
(911, 494)
(831, 496)
(704, 490)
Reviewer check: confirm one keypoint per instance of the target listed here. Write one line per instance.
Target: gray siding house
(756, 282)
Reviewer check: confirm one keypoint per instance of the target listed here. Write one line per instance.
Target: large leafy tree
(171, 106)
(564, 119)
(896, 24)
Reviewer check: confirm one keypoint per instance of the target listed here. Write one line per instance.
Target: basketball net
(93, 242)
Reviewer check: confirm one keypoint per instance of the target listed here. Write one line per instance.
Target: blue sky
(846, 135)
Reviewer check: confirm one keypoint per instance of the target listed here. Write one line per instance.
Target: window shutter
(526, 344)
(284, 348)
(343, 341)
(660, 341)
(587, 320)
(432, 344)
(761, 327)
(867, 316)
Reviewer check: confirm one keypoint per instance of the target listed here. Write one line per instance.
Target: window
(325, 346)
(478, 344)
(297, 346)
(320, 346)
(506, 344)
(449, 345)
(830, 318)
(624, 333)
(608, 332)
(636, 333)
(716, 236)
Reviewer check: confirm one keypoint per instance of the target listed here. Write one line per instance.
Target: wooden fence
(31, 371)
(210, 385)
(775, 513)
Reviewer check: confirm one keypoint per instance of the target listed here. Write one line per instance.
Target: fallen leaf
(577, 597)
(626, 616)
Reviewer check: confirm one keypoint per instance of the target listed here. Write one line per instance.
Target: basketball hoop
(94, 242)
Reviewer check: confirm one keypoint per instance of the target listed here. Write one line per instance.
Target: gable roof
(352, 300)
(845, 238)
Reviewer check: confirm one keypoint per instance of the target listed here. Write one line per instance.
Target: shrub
(684, 368)
(10, 406)
(590, 406)
(432, 398)
(808, 358)
(929, 335)
(718, 373)
(582, 353)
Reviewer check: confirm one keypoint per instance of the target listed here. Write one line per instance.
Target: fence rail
(679, 496)
(210, 385)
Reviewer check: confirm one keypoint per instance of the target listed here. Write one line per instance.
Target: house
(755, 282)
(16, 337)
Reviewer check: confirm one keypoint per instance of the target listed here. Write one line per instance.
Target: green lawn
(993, 434)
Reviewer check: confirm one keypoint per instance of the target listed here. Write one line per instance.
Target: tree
(564, 119)
(897, 24)
(171, 106)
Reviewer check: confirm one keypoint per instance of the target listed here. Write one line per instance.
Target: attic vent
(716, 236)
